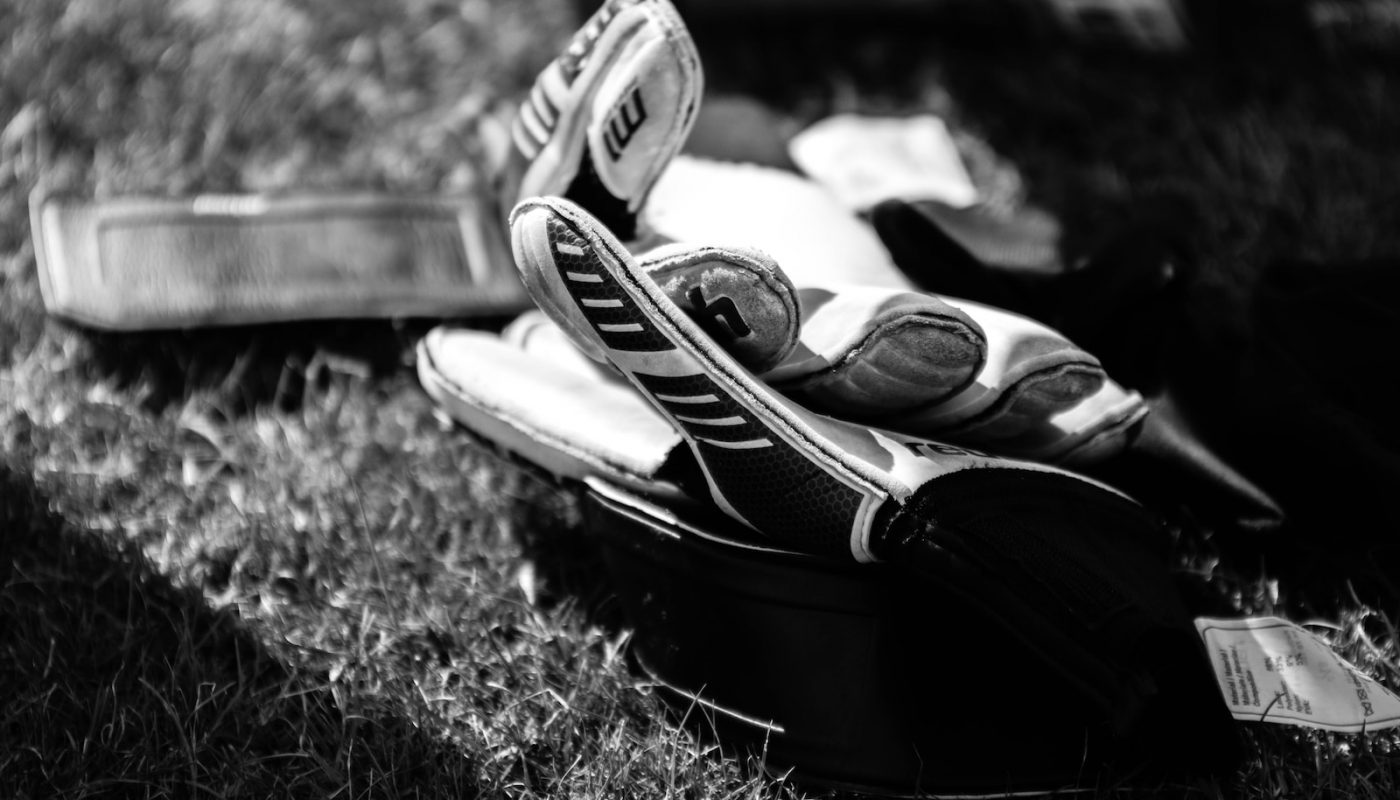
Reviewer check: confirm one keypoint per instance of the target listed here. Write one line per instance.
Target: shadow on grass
(118, 683)
(566, 559)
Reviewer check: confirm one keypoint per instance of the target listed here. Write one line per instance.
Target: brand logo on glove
(623, 123)
(720, 318)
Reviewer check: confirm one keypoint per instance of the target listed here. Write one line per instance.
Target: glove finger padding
(549, 406)
(889, 357)
(739, 296)
(1068, 567)
(957, 371)
(866, 350)
(1037, 395)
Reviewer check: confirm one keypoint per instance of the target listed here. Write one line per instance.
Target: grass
(257, 563)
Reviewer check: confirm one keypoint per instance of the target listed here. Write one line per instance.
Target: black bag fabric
(1292, 381)
(1286, 379)
(991, 658)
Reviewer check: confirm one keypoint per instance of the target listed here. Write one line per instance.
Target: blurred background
(256, 562)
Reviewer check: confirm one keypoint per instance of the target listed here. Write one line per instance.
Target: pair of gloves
(787, 374)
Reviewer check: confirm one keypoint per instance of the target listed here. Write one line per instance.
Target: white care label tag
(864, 160)
(1271, 670)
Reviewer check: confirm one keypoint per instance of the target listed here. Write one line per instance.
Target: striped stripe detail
(534, 127)
(543, 106)
(748, 444)
(707, 415)
(620, 324)
(540, 113)
(771, 483)
(716, 421)
(523, 140)
(686, 399)
(575, 56)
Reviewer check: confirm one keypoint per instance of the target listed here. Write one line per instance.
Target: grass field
(256, 563)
